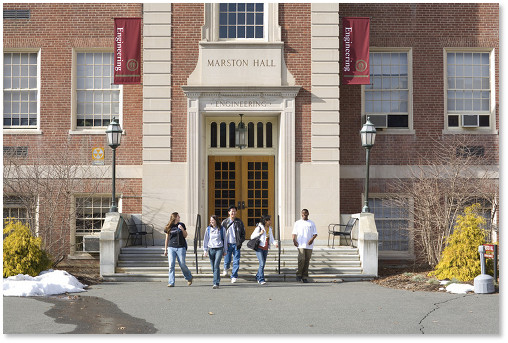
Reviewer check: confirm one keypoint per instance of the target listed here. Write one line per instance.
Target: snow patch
(49, 282)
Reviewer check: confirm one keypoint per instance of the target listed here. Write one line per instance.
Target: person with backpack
(176, 247)
(214, 245)
(235, 236)
(264, 231)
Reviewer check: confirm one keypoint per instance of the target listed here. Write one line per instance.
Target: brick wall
(295, 22)
(56, 29)
(427, 29)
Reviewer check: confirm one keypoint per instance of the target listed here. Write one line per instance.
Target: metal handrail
(278, 239)
(197, 237)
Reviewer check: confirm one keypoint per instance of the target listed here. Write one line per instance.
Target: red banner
(355, 51)
(127, 61)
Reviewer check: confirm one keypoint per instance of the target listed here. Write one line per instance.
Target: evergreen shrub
(23, 253)
(460, 259)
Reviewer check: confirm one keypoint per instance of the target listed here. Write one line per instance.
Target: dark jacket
(239, 228)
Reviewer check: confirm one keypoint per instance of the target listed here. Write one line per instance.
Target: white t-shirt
(304, 230)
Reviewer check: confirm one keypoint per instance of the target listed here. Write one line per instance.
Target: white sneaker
(261, 282)
(215, 286)
(233, 280)
(225, 272)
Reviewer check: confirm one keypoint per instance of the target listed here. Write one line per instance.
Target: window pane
(238, 20)
(20, 77)
(97, 100)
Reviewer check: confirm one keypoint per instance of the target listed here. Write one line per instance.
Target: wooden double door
(244, 181)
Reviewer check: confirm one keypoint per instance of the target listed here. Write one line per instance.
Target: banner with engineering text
(355, 51)
(127, 56)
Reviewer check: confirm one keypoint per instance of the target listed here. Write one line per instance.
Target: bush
(460, 258)
(23, 253)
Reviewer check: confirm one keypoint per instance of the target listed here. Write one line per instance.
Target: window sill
(21, 131)
(472, 131)
(395, 131)
(90, 132)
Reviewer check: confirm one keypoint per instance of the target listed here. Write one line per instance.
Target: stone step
(270, 257)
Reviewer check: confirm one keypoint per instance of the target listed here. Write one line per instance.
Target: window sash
(98, 100)
(393, 224)
(242, 21)
(21, 90)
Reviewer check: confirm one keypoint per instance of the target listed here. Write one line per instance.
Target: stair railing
(278, 239)
(197, 238)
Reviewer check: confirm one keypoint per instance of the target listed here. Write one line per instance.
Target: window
(90, 216)
(241, 20)
(387, 99)
(259, 134)
(97, 98)
(21, 90)
(468, 89)
(393, 223)
(15, 209)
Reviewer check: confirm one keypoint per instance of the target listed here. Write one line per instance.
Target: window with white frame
(387, 99)
(98, 100)
(90, 217)
(468, 89)
(21, 90)
(241, 20)
(393, 223)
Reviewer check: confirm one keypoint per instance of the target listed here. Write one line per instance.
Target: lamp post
(114, 135)
(368, 135)
(241, 134)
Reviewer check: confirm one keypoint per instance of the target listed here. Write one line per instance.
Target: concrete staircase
(327, 264)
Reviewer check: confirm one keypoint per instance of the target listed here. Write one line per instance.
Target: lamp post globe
(114, 136)
(368, 137)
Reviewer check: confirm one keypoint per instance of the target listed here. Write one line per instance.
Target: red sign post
(489, 250)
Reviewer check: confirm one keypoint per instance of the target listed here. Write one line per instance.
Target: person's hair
(172, 222)
(305, 210)
(216, 219)
(231, 207)
(265, 218)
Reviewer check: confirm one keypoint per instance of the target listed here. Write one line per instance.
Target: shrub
(22, 251)
(460, 259)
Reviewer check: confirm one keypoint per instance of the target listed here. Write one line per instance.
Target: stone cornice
(214, 91)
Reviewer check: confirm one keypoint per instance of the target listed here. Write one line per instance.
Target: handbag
(253, 243)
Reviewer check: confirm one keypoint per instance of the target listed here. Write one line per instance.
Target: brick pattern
(56, 29)
(407, 25)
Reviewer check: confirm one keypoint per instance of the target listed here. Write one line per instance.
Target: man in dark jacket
(235, 236)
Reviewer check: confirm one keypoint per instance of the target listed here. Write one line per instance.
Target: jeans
(179, 253)
(261, 254)
(215, 255)
(232, 250)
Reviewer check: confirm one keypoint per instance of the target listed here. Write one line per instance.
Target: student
(304, 233)
(235, 232)
(176, 246)
(214, 244)
(264, 231)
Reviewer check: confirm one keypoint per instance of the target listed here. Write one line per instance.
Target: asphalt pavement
(288, 308)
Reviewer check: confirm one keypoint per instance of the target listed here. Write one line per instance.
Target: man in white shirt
(304, 233)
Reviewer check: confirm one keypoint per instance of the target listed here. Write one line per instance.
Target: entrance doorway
(244, 181)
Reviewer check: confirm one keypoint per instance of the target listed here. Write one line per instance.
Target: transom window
(392, 222)
(223, 134)
(98, 99)
(21, 89)
(386, 99)
(468, 89)
(241, 20)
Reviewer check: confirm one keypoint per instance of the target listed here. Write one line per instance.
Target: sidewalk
(279, 307)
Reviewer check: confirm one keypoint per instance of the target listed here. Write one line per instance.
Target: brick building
(277, 65)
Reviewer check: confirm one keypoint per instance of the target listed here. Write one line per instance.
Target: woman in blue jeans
(213, 246)
(176, 246)
(264, 231)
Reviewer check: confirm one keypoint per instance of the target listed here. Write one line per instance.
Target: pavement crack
(437, 306)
